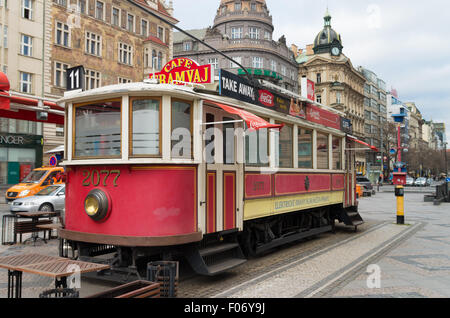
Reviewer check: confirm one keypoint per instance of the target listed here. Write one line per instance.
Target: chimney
(309, 49)
(294, 48)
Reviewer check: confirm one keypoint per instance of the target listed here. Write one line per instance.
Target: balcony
(251, 16)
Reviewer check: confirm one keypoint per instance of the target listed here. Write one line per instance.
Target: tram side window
(98, 129)
(257, 148)
(305, 137)
(146, 127)
(228, 141)
(284, 139)
(181, 136)
(322, 151)
(337, 153)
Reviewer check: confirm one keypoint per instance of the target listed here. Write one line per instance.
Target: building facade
(375, 115)
(116, 42)
(337, 83)
(242, 30)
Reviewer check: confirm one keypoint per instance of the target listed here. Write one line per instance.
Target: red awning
(253, 122)
(363, 143)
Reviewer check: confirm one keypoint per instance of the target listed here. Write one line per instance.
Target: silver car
(52, 198)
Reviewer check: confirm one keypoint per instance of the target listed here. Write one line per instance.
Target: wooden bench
(29, 227)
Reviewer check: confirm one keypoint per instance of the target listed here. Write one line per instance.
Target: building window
(319, 78)
(257, 62)
(273, 65)
(319, 99)
(124, 80)
(62, 34)
(283, 70)
(25, 82)
(145, 127)
(60, 74)
(188, 46)
(27, 9)
(125, 54)
(254, 33)
(5, 36)
(115, 16)
(237, 6)
(238, 59)
(93, 44)
(99, 7)
(130, 23)
(92, 79)
(253, 6)
(144, 27)
(62, 2)
(26, 45)
(322, 151)
(59, 130)
(236, 33)
(82, 6)
(305, 145)
(161, 33)
(154, 58)
(267, 36)
(214, 62)
(338, 97)
(160, 60)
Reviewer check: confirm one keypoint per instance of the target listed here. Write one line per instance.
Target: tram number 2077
(94, 177)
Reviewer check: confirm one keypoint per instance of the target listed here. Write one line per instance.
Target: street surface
(382, 259)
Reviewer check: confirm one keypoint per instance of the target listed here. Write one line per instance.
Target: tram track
(195, 286)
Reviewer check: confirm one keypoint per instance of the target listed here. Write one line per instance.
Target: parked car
(365, 183)
(429, 181)
(420, 182)
(37, 180)
(409, 181)
(51, 198)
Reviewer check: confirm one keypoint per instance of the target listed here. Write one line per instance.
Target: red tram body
(129, 192)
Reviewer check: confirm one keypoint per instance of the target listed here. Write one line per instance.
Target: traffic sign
(53, 161)
(75, 78)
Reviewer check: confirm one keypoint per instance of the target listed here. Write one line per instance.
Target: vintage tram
(155, 171)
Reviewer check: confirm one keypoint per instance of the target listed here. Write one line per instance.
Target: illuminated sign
(182, 70)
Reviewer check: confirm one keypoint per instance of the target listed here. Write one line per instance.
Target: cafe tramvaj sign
(182, 70)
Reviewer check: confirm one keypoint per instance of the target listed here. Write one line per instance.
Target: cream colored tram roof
(149, 89)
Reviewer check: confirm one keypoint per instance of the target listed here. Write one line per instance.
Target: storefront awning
(253, 122)
(362, 143)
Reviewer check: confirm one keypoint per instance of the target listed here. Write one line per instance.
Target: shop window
(305, 138)
(146, 129)
(98, 130)
(322, 151)
(181, 129)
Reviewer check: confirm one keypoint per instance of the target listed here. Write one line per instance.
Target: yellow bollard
(400, 194)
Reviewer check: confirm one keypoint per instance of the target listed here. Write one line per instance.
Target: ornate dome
(327, 37)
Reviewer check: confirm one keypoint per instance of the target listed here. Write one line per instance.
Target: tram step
(215, 259)
(351, 218)
(217, 249)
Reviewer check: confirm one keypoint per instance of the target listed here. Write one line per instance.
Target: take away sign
(182, 70)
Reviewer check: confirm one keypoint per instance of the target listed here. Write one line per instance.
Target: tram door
(223, 156)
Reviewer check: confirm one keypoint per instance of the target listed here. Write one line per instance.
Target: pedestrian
(380, 179)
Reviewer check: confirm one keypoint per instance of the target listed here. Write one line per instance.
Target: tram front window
(146, 127)
(97, 129)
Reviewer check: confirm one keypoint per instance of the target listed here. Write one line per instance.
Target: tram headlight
(97, 205)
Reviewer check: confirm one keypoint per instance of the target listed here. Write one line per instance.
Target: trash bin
(166, 274)
(60, 293)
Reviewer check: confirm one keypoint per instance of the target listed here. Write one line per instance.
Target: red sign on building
(182, 70)
(320, 116)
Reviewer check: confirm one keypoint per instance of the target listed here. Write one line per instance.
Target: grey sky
(406, 43)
